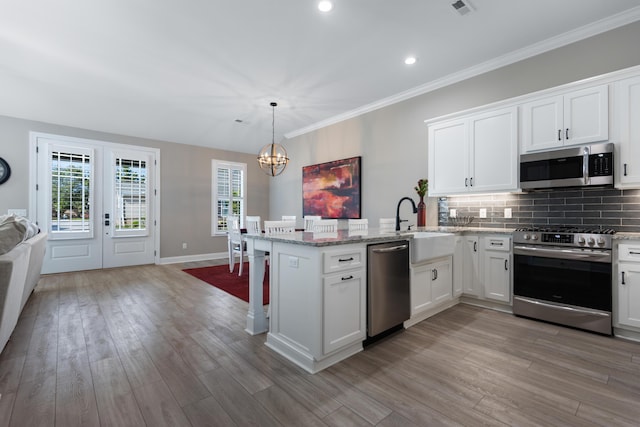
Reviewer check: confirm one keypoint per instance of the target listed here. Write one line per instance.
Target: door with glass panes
(96, 201)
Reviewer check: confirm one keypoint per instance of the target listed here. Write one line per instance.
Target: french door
(96, 201)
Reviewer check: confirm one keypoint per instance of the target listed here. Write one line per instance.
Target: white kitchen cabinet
(431, 286)
(627, 309)
(572, 118)
(458, 266)
(476, 153)
(344, 305)
(496, 261)
(626, 128)
(471, 266)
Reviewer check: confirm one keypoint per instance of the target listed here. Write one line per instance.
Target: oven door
(576, 277)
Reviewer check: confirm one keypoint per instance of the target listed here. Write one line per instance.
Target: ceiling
(203, 72)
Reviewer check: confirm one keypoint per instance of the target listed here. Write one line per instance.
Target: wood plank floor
(155, 346)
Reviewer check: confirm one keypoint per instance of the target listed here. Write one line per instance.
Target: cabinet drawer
(629, 252)
(497, 244)
(343, 259)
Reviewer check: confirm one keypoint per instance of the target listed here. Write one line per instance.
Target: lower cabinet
(496, 261)
(344, 310)
(431, 285)
(627, 304)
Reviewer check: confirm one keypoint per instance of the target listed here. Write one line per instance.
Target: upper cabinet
(571, 118)
(476, 153)
(626, 131)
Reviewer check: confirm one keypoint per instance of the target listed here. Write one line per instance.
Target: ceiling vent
(462, 7)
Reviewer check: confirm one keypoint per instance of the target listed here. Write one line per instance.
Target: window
(130, 191)
(71, 176)
(229, 189)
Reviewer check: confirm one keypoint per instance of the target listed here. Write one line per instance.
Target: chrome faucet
(398, 220)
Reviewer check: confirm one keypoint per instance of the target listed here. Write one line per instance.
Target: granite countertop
(372, 235)
(626, 236)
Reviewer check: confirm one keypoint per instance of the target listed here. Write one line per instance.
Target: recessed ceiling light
(325, 6)
(410, 60)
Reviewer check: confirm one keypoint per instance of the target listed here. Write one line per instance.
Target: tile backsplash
(606, 208)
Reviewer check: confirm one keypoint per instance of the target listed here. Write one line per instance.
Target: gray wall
(185, 183)
(393, 140)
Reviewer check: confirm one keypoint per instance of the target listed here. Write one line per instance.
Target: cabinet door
(458, 266)
(542, 121)
(441, 284)
(629, 294)
(470, 271)
(627, 127)
(448, 157)
(420, 288)
(344, 317)
(586, 115)
(494, 150)
(496, 276)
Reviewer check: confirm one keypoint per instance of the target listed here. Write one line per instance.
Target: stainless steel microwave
(584, 166)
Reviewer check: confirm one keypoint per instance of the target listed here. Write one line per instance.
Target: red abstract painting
(332, 189)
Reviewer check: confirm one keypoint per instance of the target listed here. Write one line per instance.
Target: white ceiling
(184, 71)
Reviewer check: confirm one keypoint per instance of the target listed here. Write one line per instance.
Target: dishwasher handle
(391, 249)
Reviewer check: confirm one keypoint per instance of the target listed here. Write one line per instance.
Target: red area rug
(238, 286)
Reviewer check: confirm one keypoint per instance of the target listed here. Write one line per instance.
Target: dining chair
(387, 225)
(325, 226)
(279, 227)
(308, 221)
(235, 242)
(253, 225)
(358, 224)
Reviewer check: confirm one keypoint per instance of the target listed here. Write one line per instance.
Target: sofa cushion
(11, 233)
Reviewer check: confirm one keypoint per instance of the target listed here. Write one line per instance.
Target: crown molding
(549, 44)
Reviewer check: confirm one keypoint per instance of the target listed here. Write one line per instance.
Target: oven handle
(563, 253)
(562, 307)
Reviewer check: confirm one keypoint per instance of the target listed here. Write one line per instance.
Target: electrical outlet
(453, 213)
(293, 261)
(184, 245)
(507, 212)
(483, 213)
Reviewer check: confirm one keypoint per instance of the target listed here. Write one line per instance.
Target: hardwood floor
(155, 346)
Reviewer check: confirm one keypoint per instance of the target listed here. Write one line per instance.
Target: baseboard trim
(193, 258)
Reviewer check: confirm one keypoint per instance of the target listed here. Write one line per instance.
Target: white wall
(393, 140)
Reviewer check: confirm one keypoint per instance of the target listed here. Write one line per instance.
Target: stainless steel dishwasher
(388, 298)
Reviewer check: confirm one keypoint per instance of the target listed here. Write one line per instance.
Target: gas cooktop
(567, 229)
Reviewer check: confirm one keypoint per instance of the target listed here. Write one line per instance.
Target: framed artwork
(332, 189)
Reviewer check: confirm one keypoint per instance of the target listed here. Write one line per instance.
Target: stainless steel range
(563, 275)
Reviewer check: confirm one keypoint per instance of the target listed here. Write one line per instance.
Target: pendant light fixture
(273, 157)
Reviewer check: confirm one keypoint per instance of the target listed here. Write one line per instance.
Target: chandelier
(273, 157)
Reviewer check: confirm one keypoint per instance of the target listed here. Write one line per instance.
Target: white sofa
(19, 274)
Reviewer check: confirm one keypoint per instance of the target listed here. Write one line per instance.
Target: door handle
(506, 265)
(566, 134)
(559, 134)
(434, 274)
(475, 246)
(625, 169)
(471, 182)
(106, 222)
(466, 182)
(623, 282)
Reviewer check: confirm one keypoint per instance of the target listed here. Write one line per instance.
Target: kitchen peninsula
(318, 285)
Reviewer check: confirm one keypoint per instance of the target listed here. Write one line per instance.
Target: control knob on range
(601, 241)
(526, 236)
(581, 240)
(534, 237)
(591, 241)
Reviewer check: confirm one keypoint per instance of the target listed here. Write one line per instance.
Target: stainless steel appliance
(563, 275)
(388, 298)
(585, 166)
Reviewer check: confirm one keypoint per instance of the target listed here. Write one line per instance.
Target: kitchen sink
(427, 245)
